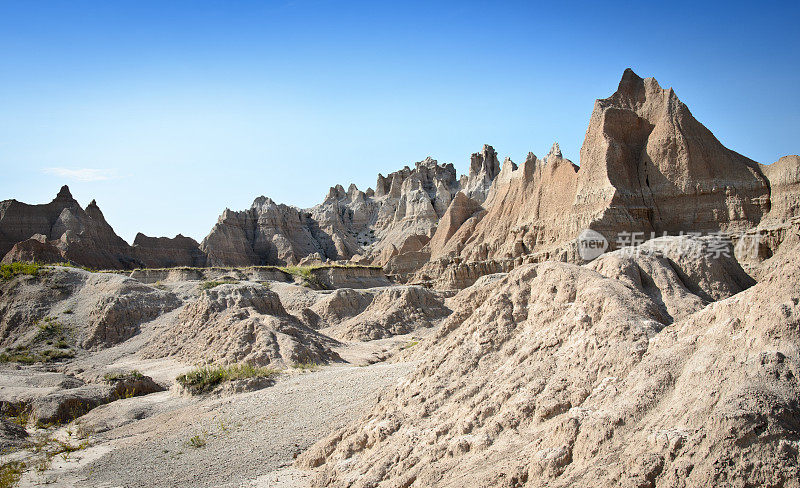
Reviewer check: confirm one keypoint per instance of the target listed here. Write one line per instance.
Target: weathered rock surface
(784, 182)
(681, 274)
(163, 252)
(62, 231)
(646, 166)
(398, 217)
(266, 233)
(341, 304)
(483, 169)
(460, 210)
(54, 398)
(36, 249)
(554, 375)
(11, 435)
(241, 323)
(88, 310)
(647, 160)
(395, 310)
(79, 235)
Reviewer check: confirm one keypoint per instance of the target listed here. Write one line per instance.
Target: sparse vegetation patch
(70, 264)
(122, 376)
(8, 271)
(306, 275)
(10, 473)
(197, 441)
(49, 344)
(213, 284)
(203, 379)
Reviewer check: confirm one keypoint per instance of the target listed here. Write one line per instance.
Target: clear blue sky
(175, 110)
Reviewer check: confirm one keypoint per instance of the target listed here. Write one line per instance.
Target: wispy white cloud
(82, 174)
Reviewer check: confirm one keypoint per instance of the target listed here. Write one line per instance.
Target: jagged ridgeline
(646, 165)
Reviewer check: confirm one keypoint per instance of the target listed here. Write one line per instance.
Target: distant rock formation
(63, 231)
(647, 166)
(483, 168)
(406, 204)
(163, 252)
(266, 233)
(78, 235)
(647, 160)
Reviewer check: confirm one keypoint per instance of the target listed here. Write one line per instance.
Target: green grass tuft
(203, 379)
(48, 345)
(70, 264)
(49, 328)
(306, 274)
(197, 441)
(213, 284)
(10, 473)
(9, 271)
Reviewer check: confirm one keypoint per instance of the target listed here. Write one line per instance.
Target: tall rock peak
(555, 152)
(64, 194)
(484, 162)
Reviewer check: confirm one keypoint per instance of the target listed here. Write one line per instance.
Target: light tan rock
(341, 304)
(784, 182)
(680, 274)
(556, 376)
(240, 323)
(460, 209)
(396, 310)
(89, 310)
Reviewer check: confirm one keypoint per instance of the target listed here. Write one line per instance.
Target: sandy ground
(250, 439)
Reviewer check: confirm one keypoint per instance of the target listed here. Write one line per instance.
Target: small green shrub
(23, 415)
(197, 441)
(25, 356)
(8, 271)
(56, 355)
(306, 275)
(22, 357)
(213, 284)
(203, 379)
(49, 328)
(70, 264)
(10, 473)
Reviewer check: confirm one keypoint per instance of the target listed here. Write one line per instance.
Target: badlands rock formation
(88, 310)
(672, 363)
(241, 323)
(555, 375)
(163, 252)
(62, 231)
(63, 228)
(397, 310)
(784, 182)
(647, 166)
